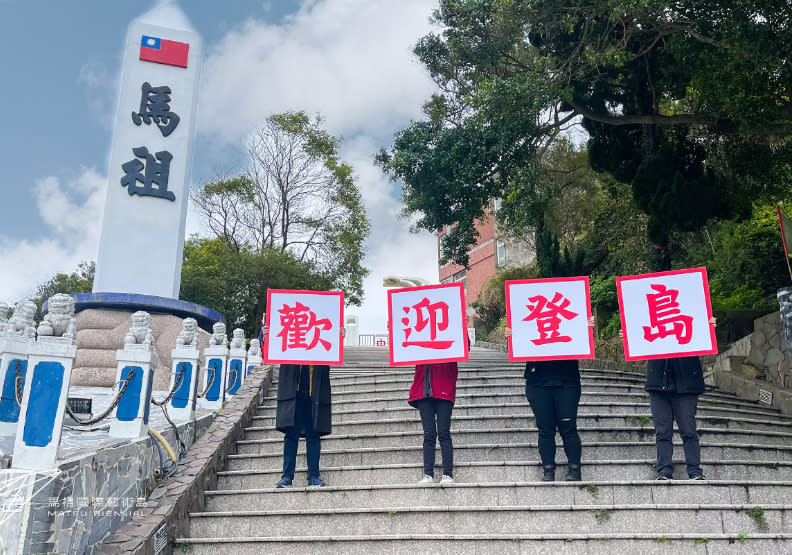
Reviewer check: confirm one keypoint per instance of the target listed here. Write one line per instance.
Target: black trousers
(667, 407)
(436, 420)
(556, 408)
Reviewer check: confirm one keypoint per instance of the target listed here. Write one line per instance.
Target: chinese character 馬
(155, 105)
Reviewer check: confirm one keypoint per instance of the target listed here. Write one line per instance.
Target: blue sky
(348, 60)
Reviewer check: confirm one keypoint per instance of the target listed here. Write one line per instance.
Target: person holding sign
(674, 385)
(667, 320)
(552, 388)
(303, 410)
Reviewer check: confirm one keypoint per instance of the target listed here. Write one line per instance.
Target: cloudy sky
(348, 60)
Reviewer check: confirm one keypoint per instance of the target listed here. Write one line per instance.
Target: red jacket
(443, 378)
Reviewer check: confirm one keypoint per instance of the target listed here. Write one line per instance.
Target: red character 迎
(433, 315)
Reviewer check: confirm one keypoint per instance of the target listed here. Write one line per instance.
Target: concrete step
(507, 493)
(473, 397)
(503, 519)
(527, 470)
(597, 450)
(272, 441)
(410, 420)
(502, 404)
(507, 544)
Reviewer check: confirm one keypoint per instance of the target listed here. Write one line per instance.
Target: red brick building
(484, 261)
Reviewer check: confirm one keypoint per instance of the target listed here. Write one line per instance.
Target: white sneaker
(426, 480)
(446, 479)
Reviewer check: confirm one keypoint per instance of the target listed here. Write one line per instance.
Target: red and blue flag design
(162, 51)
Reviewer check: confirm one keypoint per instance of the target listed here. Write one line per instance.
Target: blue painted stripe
(182, 395)
(215, 388)
(45, 388)
(236, 364)
(9, 409)
(129, 404)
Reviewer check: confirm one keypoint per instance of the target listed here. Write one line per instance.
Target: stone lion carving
(218, 335)
(189, 333)
(140, 332)
(59, 320)
(21, 322)
(238, 340)
(255, 349)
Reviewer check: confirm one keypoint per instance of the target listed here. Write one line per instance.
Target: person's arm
(343, 331)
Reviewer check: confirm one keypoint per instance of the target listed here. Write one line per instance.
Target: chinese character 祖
(298, 322)
(427, 315)
(155, 105)
(548, 316)
(665, 318)
(156, 174)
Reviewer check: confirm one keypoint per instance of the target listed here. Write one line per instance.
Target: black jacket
(288, 380)
(677, 375)
(552, 373)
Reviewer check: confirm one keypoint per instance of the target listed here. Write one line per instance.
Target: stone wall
(76, 507)
(591, 363)
(760, 361)
(184, 492)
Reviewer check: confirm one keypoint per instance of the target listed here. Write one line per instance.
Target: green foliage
(296, 196)
(79, 281)
(491, 302)
(612, 327)
(686, 102)
(235, 282)
(602, 292)
(757, 515)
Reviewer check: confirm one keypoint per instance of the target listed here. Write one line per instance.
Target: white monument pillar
(236, 362)
(20, 331)
(136, 363)
(142, 238)
(216, 357)
(46, 388)
(185, 363)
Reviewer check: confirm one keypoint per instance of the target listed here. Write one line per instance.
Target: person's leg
(566, 407)
(443, 409)
(663, 420)
(541, 401)
(290, 440)
(312, 441)
(684, 409)
(427, 411)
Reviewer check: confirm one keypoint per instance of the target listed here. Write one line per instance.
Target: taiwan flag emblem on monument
(162, 51)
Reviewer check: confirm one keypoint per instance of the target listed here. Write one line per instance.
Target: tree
(678, 99)
(79, 281)
(235, 282)
(295, 196)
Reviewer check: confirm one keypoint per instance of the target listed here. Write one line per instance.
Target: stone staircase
(372, 462)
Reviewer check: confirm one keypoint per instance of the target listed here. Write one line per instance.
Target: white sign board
(304, 327)
(549, 319)
(427, 324)
(142, 239)
(666, 314)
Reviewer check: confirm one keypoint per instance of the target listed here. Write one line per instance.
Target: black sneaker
(549, 473)
(697, 477)
(283, 483)
(663, 477)
(573, 473)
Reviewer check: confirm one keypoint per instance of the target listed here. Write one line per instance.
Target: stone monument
(236, 362)
(20, 331)
(216, 357)
(185, 359)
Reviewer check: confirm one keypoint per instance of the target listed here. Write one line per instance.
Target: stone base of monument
(13, 362)
(236, 370)
(100, 333)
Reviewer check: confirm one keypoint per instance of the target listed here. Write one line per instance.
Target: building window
(500, 249)
(496, 204)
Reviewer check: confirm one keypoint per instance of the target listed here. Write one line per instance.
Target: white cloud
(72, 214)
(350, 61)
